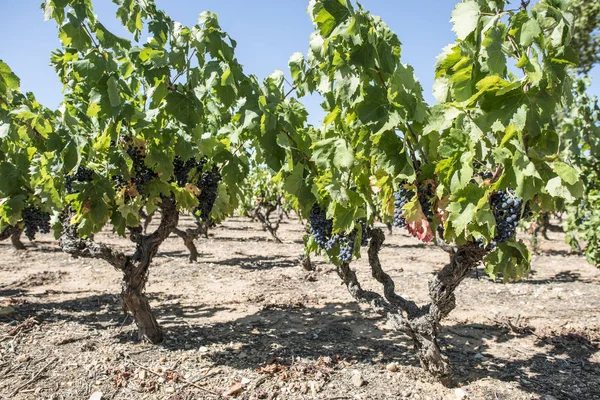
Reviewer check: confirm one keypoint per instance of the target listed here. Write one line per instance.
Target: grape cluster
(119, 181)
(182, 169)
(347, 246)
(35, 220)
(425, 194)
(365, 233)
(208, 185)
(485, 175)
(143, 174)
(320, 226)
(482, 171)
(81, 175)
(508, 210)
(401, 198)
(321, 230)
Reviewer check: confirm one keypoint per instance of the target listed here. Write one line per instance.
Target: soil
(248, 322)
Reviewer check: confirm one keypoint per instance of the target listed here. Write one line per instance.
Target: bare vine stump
(136, 303)
(306, 263)
(188, 237)
(430, 355)
(15, 238)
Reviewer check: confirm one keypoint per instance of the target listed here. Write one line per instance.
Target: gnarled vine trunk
(14, 233)
(15, 239)
(421, 324)
(188, 236)
(263, 212)
(135, 267)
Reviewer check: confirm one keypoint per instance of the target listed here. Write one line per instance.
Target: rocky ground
(248, 322)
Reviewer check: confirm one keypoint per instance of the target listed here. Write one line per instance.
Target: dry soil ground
(247, 317)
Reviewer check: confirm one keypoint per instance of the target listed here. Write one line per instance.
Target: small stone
(460, 394)
(187, 346)
(392, 367)
(357, 379)
(315, 388)
(245, 381)
(303, 388)
(479, 356)
(203, 349)
(234, 391)
(142, 374)
(23, 358)
(170, 389)
(96, 396)
(6, 311)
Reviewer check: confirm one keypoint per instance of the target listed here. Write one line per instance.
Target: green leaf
(496, 60)
(328, 14)
(464, 206)
(511, 259)
(184, 109)
(567, 173)
(72, 34)
(529, 31)
(113, 92)
(91, 68)
(8, 80)
(465, 18)
(334, 151)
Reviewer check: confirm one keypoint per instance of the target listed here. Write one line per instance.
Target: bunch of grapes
(482, 171)
(321, 230)
(208, 185)
(425, 194)
(35, 220)
(347, 246)
(142, 174)
(119, 181)
(401, 198)
(81, 175)
(365, 233)
(508, 210)
(320, 226)
(183, 169)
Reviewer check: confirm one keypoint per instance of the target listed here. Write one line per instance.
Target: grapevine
(172, 123)
(448, 172)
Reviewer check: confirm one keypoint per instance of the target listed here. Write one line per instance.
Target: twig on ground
(179, 378)
(34, 378)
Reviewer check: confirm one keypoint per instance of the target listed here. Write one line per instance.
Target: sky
(268, 32)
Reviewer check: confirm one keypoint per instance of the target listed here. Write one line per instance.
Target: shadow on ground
(563, 367)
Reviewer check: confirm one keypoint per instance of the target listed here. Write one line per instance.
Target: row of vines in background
(173, 125)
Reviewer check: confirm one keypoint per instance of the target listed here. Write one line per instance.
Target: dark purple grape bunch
(183, 170)
(320, 227)
(365, 233)
(35, 220)
(426, 195)
(508, 210)
(321, 230)
(401, 198)
(82, 175)
(142, 175)
(208, 183)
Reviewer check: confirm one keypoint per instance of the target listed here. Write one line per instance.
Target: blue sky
(268, 32)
